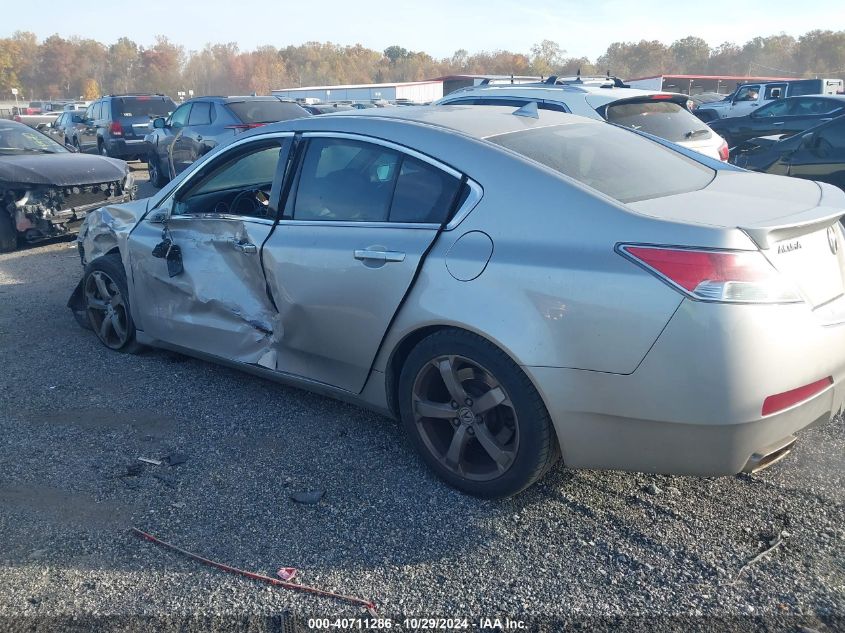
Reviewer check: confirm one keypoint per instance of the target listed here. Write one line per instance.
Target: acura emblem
(832, 241)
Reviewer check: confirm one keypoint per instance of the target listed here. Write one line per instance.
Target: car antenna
(530, 109)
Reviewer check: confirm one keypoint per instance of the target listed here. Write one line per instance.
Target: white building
(413, 91)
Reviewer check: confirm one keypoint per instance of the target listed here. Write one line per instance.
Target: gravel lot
(74, 415)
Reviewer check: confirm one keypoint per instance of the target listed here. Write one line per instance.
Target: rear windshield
(665, 119)
(266, 111)
(622, 165)
(151, 107)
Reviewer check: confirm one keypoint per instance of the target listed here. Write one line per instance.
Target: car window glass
(237, 183)
(89, 112)
(781, 107)
(143, 106)
(200, 113)
(423, 193)
(345, 181)
(834, 135)
(665, 119)
(97, 110)
(624, 166)
(774, 91)
(747, 93)
(180, 117)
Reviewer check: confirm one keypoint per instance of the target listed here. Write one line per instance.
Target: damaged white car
(46, 189)
(516, 285)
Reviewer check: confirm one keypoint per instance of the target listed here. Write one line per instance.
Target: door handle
(779, 123)
(199, 137)
(827, 119)
(379, 256)
(244, 247)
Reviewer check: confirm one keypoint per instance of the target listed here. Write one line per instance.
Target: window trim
(465, 99)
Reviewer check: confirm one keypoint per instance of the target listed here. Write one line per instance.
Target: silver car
(513, 288)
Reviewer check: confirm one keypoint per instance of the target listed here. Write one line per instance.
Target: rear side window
(514, 103)
(774, 91)
(344, 180)
(200, 113)
(266, 111)
(142, 106)
(622, 165)
(665, 119)
(806, 87)
(423, 193)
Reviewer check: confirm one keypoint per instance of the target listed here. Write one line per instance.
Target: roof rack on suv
(137, 94)
(608, 81)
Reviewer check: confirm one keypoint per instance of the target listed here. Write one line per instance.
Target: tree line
(75, 67)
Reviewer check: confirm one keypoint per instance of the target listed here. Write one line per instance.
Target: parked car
(116, 125)
(784, 116)
(662, 114)
(46, 189)
(63, 127)
(37, 121)
(816, 154)
(199, 125)
(328, 108)
(748, 97)
(467, 270)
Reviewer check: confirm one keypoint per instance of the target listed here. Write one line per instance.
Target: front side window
(180, 116)
(615, 162)
(237, 183)
(781, 107)
(747, 93)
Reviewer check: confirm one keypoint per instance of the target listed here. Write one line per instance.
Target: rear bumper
(121, 148)
(694, 405)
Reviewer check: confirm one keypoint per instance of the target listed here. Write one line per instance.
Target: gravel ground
(580, 545)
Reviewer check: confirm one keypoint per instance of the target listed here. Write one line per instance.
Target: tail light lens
(781, 401)
(243, 127)
(720, 276)
(115, 128)
(724, 151)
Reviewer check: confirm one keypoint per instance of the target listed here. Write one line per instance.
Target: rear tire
(495, 443)
(102, 149)
(8, 233)
(106, 296)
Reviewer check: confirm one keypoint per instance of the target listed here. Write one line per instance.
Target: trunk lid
(794, 225)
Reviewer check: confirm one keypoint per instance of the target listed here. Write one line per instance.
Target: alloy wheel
(465, 418)
(107, 310)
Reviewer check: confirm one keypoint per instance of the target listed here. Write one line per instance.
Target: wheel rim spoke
(456, 448)
(102, 288)
(446, 366)
(96, 304)
(429, 409)
(117, 326)
(117, 301)
(492, 398)
(499, 455)
(105, 328)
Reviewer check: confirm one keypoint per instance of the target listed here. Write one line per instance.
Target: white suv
(663, 114)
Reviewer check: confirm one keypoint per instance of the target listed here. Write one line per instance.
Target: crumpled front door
(218, 304)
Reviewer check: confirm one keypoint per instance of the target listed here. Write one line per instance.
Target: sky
(438, 27)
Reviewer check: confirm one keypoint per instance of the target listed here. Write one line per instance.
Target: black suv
(199, 125)
(117, 124)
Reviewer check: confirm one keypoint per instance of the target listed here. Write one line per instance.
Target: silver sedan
(515, 286)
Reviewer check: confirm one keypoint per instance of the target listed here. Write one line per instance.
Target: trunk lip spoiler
(769, 232)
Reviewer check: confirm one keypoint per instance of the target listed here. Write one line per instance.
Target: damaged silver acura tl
(46, 189)
(514, 286)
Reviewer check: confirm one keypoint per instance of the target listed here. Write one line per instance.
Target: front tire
(157, 178)
(106, 297)
(474, 415)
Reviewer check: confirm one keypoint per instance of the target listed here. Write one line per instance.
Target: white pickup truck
(748, 97)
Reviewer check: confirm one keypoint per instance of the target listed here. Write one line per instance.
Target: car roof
(475, 121)
(557, 93)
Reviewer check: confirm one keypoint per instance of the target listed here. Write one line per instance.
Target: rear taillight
(781, 401)
(724, 151)
(242, 127)
(115, 128)
(721, 276)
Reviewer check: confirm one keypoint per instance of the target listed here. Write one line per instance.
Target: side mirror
(159, 123)
(809, 141)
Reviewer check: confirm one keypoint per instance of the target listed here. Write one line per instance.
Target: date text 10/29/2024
(418, 624)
